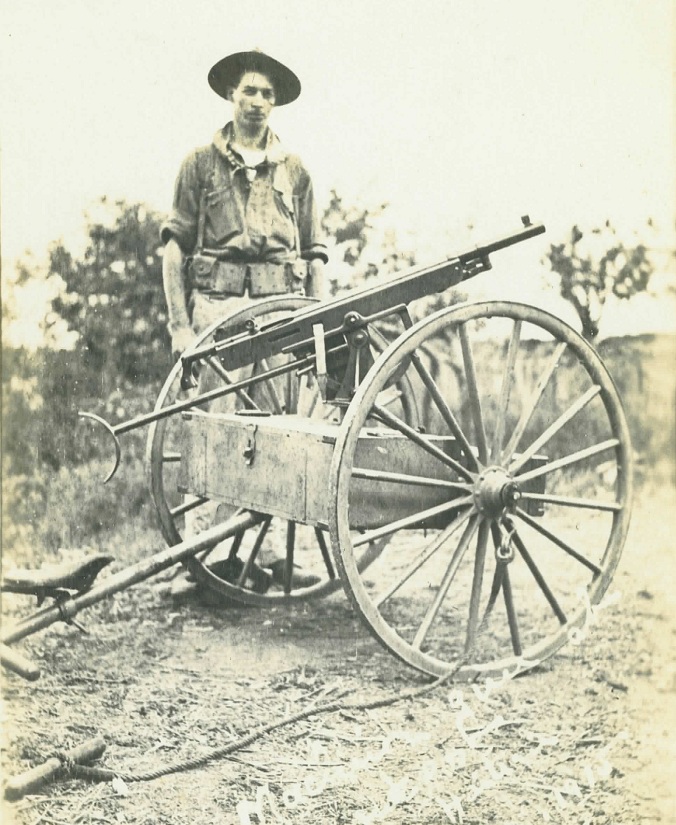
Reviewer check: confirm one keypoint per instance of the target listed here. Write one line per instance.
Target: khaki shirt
(270, 218)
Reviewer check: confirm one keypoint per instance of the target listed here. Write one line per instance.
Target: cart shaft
(144, 569)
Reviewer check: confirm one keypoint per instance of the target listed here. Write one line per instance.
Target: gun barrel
(530, 230)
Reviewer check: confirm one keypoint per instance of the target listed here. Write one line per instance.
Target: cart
(465, 476)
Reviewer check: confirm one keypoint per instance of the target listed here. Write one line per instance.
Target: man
(243, 224)
(244, 208)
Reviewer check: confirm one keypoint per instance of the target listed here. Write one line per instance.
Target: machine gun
(328, 327)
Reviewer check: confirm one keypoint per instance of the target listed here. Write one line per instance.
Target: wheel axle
(494, 492)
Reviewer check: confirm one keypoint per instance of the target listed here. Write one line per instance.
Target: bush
(42, 394)
(47, 511)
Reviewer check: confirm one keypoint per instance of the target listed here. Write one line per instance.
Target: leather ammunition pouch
(208, 274)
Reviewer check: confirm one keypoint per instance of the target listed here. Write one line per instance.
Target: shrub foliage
(111, 301)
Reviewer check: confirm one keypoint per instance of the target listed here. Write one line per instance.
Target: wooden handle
(18, 663)
(31, 780)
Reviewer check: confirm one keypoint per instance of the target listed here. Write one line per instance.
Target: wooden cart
(466, 477)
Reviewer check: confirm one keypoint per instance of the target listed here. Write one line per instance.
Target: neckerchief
(274, 153)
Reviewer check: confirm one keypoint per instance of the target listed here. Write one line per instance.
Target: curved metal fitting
(116, 441)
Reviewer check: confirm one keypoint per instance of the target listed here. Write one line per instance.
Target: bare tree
(593, 265)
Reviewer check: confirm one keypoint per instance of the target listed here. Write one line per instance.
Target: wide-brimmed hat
(226, 74)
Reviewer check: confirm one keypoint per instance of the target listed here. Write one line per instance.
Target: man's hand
(181, 340)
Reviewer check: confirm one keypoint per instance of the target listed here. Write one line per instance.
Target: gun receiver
(295, 334)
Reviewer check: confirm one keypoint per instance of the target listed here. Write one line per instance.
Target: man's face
(253, 100)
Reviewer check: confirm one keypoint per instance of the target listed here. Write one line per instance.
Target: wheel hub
(495, 491)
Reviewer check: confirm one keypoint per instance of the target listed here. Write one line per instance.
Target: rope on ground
(94, 774)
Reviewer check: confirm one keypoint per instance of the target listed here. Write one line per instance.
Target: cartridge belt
(211, 275)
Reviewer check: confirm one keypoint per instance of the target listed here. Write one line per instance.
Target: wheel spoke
(270, 388)
(249, 563)
(314, 398)
(387, 398)
(531, 522)
(569, 501)
(567, 460)
(290, 548)
(554, 428)
(222, 373)
(291, 395)
(403, 478)
(410, 521)
(473, 392)
(446, 582)
(477, 579)
(417, 438)
(496, 586)
(326, 556)
(193, 504)
(511, 613)
(236, 544)
(371, 553)
(422, 557)
(313, 405)
(530, 408)
(535, 572)
(444, 409)
(506, 390)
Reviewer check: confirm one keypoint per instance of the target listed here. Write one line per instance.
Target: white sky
(452, 111)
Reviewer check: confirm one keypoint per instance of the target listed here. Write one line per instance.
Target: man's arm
(179, 232)
(312, 246)
(315, 284)
(180, 330)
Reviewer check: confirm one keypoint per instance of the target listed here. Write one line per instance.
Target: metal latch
(250, 449)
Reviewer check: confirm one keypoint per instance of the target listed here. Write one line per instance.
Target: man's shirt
(266, 213)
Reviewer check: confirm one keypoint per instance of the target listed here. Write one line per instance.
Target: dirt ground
(586, 737)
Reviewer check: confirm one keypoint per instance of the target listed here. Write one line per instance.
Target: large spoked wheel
(232, 570)
(518, 492)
